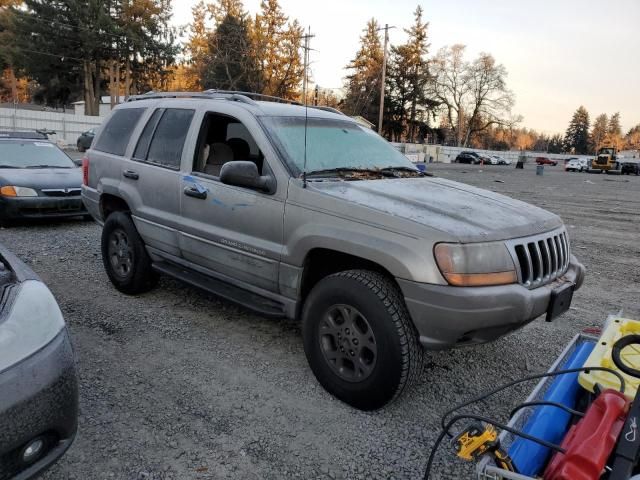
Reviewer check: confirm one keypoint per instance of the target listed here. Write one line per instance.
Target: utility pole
(384, 75)
(305, 80)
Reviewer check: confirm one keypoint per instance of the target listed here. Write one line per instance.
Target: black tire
(119, 233)
(398, 358)
(81, 149)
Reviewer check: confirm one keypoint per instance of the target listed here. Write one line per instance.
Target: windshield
(333, 144)
(30, 154)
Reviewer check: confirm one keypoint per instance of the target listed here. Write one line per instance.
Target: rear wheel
(124, 256)
(359, 339)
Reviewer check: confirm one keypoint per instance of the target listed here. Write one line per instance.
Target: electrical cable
(480, 418)
(542, 403)
(526, 379)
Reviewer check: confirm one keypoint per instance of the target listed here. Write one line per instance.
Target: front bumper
(447, 316)
(38, 398)
(13, 208)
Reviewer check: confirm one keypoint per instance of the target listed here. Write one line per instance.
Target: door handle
(131, 174)
(195, 193)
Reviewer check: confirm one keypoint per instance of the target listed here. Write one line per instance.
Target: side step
(263, 305)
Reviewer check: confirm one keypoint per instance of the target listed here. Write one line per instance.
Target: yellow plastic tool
(615, 329)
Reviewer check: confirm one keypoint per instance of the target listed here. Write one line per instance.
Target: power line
(61, 57)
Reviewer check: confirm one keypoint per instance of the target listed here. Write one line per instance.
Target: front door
(233, 231)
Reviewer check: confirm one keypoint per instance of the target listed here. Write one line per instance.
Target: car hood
(39, 178)
(467, 213)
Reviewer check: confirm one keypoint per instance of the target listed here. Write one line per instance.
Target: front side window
(163, 137)
(331, 144)
(117, 132)
(224, 139)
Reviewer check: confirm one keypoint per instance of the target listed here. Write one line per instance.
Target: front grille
(61, 192)
(602, 160)
(542, 258)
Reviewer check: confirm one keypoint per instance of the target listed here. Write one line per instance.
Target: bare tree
(472, 95)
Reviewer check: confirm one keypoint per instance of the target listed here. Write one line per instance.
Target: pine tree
(197, 46)
(221, 9)
(409, 106)
(277, 45)
(363, 83)
(230, 64)
(599, 131)
(577, 136)
(614, 128)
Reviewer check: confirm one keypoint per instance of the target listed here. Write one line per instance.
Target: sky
(559, 54)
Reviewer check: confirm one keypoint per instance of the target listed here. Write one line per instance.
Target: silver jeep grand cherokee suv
(304, 213)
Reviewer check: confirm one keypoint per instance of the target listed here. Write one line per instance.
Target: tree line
(445, 97)
(57, 52)
(82, 49)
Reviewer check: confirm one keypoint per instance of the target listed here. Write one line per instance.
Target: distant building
(105, 106)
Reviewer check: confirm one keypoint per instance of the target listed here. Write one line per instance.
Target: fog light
(32, 451)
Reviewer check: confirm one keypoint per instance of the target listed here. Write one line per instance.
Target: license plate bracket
(560, 300)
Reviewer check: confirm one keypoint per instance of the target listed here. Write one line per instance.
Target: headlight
(475, 264)
(33, 320)
(13, 191)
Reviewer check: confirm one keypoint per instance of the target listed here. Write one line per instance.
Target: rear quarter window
(117, 132)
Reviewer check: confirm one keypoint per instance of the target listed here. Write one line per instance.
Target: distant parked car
(37, 179)
(85, 140)
(487, 159)
(468, 157)
(577, 165)
(501, 160)
(38, 383)
(630, 166)
(546, 161)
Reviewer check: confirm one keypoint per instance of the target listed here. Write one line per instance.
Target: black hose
(501, 426)
(527, 378)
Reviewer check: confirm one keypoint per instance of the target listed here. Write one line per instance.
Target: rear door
(151, 178)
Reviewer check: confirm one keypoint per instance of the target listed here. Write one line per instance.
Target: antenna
(305, 82)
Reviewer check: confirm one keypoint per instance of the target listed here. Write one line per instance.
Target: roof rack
(27, 134)
(327, 109)
(244, 97)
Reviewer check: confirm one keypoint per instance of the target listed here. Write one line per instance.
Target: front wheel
(124, 256)
(359, 339)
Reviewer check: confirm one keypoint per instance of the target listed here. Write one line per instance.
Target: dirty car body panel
(38, 383)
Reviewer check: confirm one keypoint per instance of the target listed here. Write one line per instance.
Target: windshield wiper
(404, 169)
(339, 170)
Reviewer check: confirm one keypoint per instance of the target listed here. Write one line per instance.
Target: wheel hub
(348, 343)
(120, 252)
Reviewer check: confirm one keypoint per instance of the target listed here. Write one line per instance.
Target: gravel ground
(176, 384)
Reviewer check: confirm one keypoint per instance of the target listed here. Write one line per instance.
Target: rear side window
(145, 139)
(167, 130)
(117, 132)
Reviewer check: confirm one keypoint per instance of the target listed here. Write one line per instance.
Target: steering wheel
(633, 353)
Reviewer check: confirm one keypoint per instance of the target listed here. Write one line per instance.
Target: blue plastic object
(547, 422)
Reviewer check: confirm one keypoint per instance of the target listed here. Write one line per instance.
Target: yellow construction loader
(606, 159)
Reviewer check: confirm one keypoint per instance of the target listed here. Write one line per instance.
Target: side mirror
(243, 173)
(77, 162)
